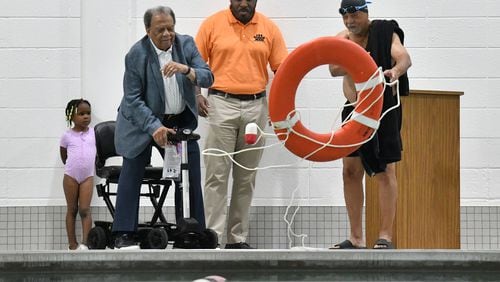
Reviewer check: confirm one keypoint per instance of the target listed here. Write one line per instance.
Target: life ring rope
(288, 123)
(376, 79)
(369, 122)
(328, 144)
(294, 119)
(372, 82)
(358, 128)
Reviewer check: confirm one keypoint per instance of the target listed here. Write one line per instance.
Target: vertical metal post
(185, 180)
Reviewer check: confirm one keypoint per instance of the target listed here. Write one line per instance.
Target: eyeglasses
(352, 9)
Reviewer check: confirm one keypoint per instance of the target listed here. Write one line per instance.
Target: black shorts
(385, 147)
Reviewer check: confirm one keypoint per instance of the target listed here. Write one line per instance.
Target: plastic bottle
(172, 162)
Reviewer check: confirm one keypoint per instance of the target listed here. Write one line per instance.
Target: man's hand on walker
(160, 135)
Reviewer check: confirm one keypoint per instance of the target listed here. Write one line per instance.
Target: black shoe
(126, 242)
(240, 245)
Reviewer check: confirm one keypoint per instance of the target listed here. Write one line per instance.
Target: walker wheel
(97, 239)
(157, 238)
(188, 240)
(209, 239)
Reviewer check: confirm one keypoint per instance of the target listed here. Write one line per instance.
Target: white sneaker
(129, 248)
(82, 247)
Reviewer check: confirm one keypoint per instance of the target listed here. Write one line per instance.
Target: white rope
(292, 120)
(371, 82)
(289, 223)
(288, 123)
(294, 116)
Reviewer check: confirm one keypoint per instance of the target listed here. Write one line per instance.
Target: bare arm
(336, 70)
(64, 154)
(401, 58)
(347, 82)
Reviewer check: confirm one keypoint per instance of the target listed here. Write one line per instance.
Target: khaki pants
(227, 120)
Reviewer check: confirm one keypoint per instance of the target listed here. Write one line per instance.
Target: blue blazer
(143, 104)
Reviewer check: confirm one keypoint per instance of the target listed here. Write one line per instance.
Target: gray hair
(148, 15)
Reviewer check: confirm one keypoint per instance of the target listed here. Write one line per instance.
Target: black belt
(243, 97)
(171, 117)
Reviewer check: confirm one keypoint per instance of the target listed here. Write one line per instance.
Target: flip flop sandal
(383, 244)
(347, 244)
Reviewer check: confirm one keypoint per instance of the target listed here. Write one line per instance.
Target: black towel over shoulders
(386, 145)
(379, 46)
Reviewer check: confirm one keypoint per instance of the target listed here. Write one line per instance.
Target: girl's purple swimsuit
(81, 153)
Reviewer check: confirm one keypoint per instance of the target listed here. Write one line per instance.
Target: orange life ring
(360, 66)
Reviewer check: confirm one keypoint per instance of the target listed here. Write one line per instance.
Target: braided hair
(72, 107)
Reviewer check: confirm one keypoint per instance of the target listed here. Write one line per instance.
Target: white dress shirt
(174, 103)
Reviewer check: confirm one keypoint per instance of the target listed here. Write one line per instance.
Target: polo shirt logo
(259, 37)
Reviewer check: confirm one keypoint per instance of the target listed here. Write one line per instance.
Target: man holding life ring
(384, 41)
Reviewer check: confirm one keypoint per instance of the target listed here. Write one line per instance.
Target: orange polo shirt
(238, 54)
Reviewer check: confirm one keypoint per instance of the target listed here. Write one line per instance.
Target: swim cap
(348, 3)
(352, 6)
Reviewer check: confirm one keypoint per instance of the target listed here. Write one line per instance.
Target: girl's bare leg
(85, 196)
(71, 188)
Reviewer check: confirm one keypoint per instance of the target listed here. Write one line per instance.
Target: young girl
(78, 152)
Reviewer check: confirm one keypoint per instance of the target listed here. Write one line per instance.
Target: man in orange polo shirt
(238, 43)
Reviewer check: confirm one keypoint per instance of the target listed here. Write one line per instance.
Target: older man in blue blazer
(161, 72)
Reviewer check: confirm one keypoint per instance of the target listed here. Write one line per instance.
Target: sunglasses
(353, 9)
